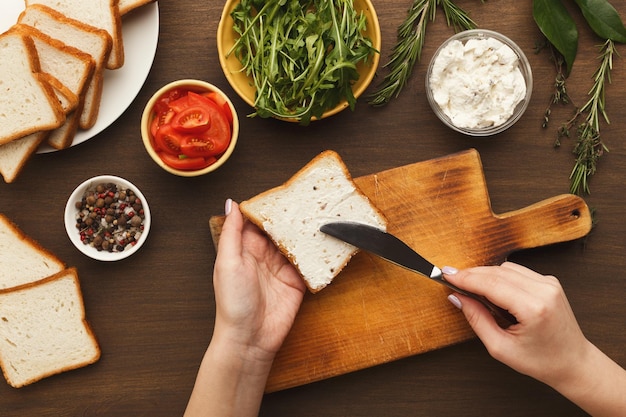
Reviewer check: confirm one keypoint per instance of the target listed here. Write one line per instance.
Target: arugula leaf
(603, 19)
(558, 27)
(301, 54)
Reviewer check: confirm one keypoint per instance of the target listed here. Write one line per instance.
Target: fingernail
(228, 206)
(449, 270)
(455, 301)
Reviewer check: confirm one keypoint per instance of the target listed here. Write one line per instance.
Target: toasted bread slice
(92, 41)
(43, 330)
(291, 214)
(28, 103)
(101, 14)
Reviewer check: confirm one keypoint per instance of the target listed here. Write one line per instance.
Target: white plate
(140, 30)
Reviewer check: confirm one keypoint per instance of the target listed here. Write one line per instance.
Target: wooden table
(153, 313)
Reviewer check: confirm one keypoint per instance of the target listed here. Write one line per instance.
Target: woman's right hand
(547, 342)
(547, 339)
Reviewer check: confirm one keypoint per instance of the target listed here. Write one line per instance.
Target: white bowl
(71, 211)
(477, 86)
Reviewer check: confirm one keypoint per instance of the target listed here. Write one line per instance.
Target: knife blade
(393, 249)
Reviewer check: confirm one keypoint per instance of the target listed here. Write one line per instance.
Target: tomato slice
(201, 146)
(220, 131)
(179, 104)
(186, 163)
(162, 104)
(168, 139)
(195, 119)
(222, 103)
(160, 119)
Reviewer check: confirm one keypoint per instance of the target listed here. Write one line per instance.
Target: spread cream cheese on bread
(291, 214)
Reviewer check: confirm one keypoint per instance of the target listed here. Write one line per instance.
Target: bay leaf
(603, 19)
(558, 27)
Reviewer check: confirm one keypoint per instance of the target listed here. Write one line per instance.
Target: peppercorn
(105, 220)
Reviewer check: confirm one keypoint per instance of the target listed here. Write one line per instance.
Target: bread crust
(127, 6)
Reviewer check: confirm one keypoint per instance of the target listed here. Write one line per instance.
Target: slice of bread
(15, 154)
(101, 14)
(43, 330)
(22, 260)
(291, 215)
(127, 6)
(95, 42)
(27, 101)
(67, 99)
(72, 67)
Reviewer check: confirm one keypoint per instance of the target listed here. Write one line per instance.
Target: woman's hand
(257, 295)
(257, 291)
(547, 342)
(547, 338)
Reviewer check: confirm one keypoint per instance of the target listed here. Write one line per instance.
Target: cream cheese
(477, 84)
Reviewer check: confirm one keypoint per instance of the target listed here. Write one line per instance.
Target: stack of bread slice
(52, 64)
(43, 330)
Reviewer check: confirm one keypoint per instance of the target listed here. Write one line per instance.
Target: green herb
(302, 55)
(560, 30)
(558, 27)
(560, 95)
(408, 49)
(589, 147)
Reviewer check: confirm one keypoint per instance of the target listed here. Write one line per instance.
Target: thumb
(230, 238)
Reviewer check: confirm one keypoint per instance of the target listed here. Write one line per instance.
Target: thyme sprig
(559, 94)
(410, 42)
(589, 146)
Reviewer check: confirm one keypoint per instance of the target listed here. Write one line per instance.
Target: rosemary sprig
(408, 49)
(589, 146)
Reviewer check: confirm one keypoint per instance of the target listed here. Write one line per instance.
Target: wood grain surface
(375, 312)
(153, 313)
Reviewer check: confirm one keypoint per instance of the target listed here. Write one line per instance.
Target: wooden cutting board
(375, 312)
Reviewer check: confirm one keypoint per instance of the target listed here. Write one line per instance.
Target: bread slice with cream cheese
(43, 330)
(292, 213)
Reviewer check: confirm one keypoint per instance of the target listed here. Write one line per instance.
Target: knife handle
(502, 316)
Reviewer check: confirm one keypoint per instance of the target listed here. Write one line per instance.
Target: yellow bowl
(197, 86)
(243, 84)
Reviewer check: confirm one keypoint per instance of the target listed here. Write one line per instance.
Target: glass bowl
(479, 82)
